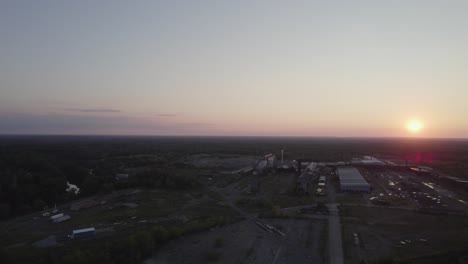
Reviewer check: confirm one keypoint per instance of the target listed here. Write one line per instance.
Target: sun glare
(414, 126)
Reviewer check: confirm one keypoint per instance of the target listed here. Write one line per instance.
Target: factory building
(367, 161)
(303, 180)
(352, 181)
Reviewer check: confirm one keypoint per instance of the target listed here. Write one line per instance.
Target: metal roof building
(83, 233)
(367, 162)
(61, 219)
(352, 181)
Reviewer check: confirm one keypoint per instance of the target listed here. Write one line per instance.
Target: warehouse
(352, 181)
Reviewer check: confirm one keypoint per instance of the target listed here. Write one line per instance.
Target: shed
(55, 216)
(61, 219)
(83, 233)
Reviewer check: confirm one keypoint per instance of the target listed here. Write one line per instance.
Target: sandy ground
(246, 242)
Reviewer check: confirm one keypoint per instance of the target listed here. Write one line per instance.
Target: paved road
(335, 243)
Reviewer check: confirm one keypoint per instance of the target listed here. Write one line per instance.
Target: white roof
(56, 216)
(61, 219)
(90, 229)
(373, 162)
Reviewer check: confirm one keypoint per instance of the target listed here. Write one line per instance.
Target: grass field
(401, 234)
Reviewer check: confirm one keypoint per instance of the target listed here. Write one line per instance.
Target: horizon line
(226, 136)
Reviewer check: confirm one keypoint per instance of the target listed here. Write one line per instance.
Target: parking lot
(400, 188)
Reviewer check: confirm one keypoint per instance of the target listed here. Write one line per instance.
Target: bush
(145, 243)
(160, 234)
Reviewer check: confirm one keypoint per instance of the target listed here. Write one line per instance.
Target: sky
(260, 68)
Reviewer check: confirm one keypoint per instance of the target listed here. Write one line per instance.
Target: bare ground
(246, 242)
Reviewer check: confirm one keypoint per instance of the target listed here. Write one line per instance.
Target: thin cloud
(54, 123)
(92, 110)
(167, 115)
(194, 124)
(72, 122)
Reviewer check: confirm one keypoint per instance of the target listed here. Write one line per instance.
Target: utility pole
(282, 158)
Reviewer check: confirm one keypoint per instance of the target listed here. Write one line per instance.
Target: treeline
(127, 248)
(29, 182)
(323, 149)
(160, 177)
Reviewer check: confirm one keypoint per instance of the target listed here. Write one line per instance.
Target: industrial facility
(352, 181)
(305, 178)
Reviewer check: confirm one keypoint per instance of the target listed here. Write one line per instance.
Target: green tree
(38, 204)
(160, 234)
(107, 188)
(90, 185)
(145, 243)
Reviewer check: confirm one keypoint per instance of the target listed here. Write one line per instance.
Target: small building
(352, 181)
(52, 218)
(61, 219)
(322, 179)
(83, 233)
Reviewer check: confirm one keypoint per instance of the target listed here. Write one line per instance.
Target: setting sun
(414, 126)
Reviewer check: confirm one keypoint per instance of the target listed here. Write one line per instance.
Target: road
(335, 243)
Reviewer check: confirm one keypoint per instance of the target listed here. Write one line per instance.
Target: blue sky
(305, 68)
